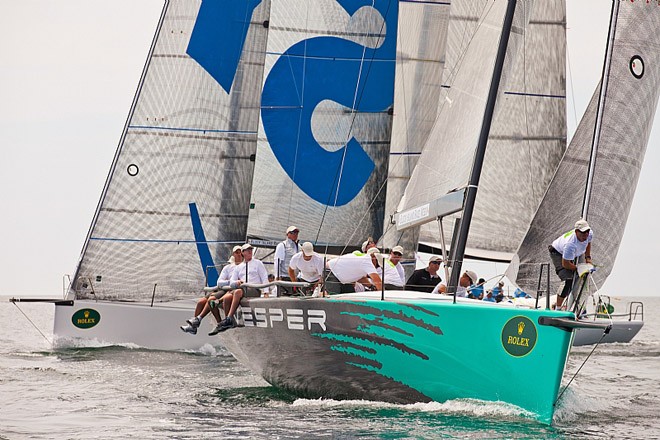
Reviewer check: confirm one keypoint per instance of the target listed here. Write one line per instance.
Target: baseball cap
(435, 258)
(398, 249)
(246, 246)
(582, 225)
(473, 276)
(291, 229)
(236, 248)
(373, 250)
(307, 249)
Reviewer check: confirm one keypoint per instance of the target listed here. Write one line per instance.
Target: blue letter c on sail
(217, 39)
(336, 70)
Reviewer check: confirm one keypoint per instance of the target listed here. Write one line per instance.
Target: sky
(68, 73)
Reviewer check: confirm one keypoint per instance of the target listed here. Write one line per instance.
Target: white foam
(475, 407)
(70, 342)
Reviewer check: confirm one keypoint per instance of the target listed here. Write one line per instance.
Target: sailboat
(177, 196)
(404, 346)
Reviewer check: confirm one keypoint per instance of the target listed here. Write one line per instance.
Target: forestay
(633, 84)
(326, 116)
(177, 195)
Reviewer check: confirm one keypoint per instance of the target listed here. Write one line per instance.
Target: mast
(601, 105)
(473, 184)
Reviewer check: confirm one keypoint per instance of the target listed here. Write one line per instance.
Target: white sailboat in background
(177, 196)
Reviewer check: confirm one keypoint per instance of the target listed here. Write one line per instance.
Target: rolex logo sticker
(85, 318)
(519, 336)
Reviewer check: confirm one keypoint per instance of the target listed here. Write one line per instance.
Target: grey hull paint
(298, 361)
(622, 331)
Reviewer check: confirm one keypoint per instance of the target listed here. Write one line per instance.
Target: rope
(33, 324)
(607, 330)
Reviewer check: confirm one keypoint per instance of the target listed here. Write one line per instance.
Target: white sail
(528, 134)
(326, 119)
(420, 60)
(177, 195)
(633, 84)
(446, 160)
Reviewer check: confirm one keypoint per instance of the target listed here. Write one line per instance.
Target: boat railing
(635, 311)
(541, 288)
(638, 310)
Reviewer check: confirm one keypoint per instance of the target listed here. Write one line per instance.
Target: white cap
(236, 248)
(307, 249)
(364, 246)
(582, 225)
(435, 258)
(472, 275)
(291, 229)
(398, 249)
(246, 246)
(373, 250)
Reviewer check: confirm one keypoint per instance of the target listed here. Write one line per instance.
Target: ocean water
(110, 392)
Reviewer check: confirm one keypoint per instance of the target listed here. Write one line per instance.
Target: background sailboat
(177, 196)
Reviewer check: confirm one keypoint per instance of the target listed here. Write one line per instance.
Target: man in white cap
(251, 271)
(284, 251)
(426, 278)
(369, 243)
(205, 304)
(349, 269)
(309, 265)
(394, 276)
(566, 250)
(469, 278)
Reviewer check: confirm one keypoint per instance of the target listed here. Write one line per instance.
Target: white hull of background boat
(622, 331)
(141, 324)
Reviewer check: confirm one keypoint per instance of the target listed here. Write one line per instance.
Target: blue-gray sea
(123, 391)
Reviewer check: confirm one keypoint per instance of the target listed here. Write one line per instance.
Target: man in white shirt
(309, 265)
(205, 304)
(284, 251)
(250, 270)
(394, 275)
(348, 269)
(567, 248)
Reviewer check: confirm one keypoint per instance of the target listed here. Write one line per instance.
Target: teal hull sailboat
(407, 348)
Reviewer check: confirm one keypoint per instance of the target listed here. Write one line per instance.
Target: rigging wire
(33, 324)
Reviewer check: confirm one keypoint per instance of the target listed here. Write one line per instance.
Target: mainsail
(528, 135)
(630, 100)
(177, 195)
(325, 124)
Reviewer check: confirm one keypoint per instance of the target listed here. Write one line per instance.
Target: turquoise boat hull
(405, 350)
